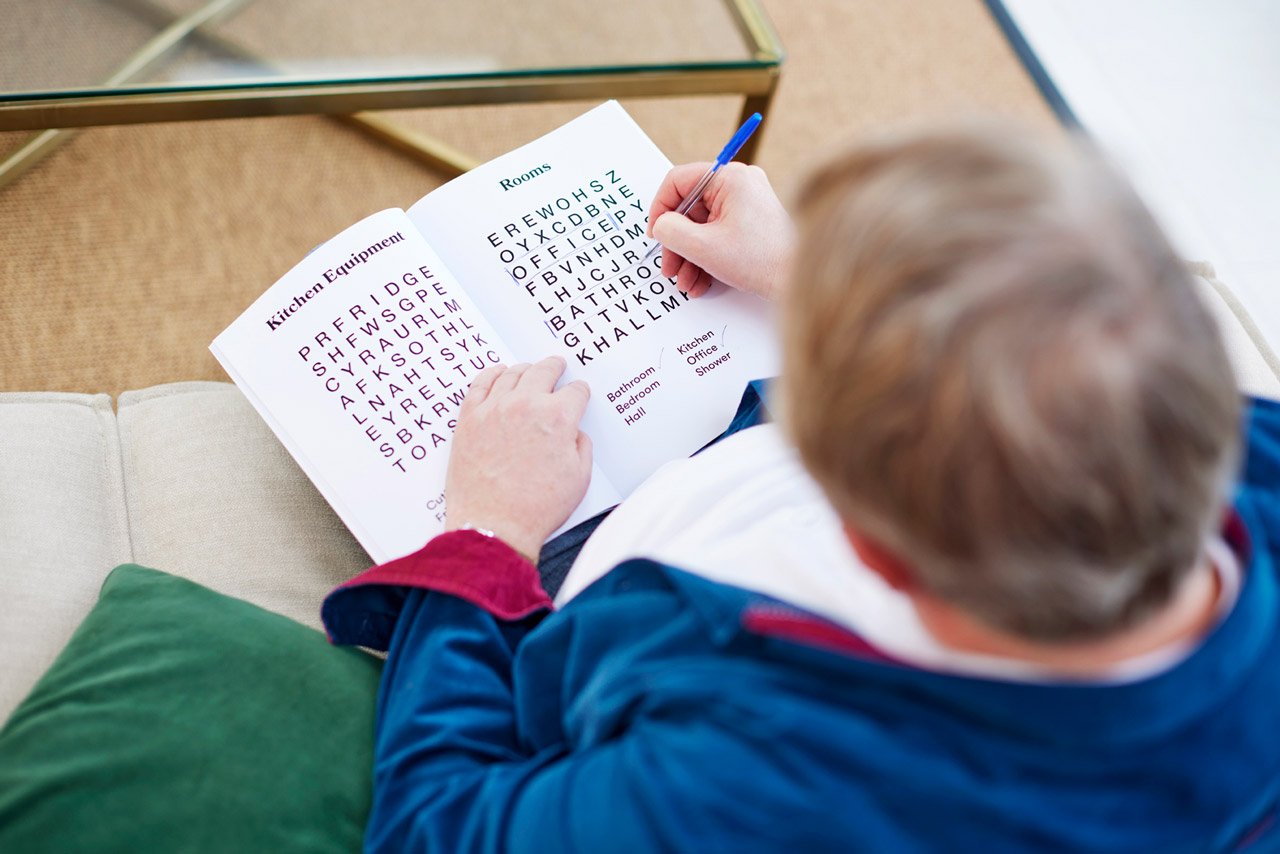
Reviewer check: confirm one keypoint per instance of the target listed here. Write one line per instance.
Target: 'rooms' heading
(508, 183)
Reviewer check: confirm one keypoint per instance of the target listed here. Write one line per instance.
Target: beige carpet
(127, 251)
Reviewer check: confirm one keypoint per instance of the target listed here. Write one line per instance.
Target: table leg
(756, 104)
(36, 148)
(173, 35)
(438, 155)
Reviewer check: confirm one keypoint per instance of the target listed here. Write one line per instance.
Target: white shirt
(745, 512)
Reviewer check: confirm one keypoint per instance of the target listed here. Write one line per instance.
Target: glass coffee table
(77, 63)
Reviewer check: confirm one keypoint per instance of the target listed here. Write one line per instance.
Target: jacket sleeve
(451, 772)
(455, 766)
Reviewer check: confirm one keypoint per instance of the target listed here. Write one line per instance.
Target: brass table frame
(756, 79)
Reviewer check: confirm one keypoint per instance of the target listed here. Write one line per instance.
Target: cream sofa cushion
(62, 526)
(214, 497)
(185, 478)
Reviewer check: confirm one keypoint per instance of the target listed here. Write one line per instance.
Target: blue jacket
(660, 711)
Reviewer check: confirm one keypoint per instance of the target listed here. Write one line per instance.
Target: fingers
(543, 375)
(699, 212)
(508, 379)
(481, 386)
(678, 233)
(688, 276)
(671, 262)
(575, 396)
(674, 187)
(681, 237)
(701, 285)
(584, 450)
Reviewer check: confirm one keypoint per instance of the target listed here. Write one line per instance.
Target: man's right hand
(738, 233)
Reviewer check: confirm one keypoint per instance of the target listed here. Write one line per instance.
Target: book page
(549, 239)
(358, 359)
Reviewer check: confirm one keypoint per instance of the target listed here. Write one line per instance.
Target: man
(1003, 580)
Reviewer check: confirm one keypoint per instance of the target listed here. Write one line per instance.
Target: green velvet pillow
(178, 719)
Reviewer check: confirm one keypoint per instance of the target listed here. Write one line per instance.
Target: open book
(359, 357)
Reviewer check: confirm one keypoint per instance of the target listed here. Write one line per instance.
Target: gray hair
(998, 369)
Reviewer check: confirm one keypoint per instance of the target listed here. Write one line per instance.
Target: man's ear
(884, 563)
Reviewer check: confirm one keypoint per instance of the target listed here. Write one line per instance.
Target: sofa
(187, 478)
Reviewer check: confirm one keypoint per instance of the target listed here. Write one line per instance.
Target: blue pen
(726, 154)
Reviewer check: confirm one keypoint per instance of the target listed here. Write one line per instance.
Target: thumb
(681, 235)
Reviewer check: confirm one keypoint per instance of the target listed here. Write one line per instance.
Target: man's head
(1000, 373)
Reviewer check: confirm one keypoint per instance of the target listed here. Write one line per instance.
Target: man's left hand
(519, 464)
